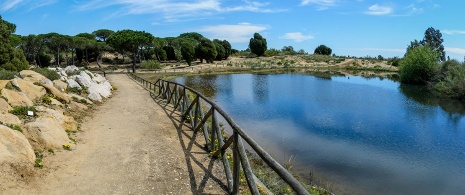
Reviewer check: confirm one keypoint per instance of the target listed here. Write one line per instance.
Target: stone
(56, 114)
(71, 69)
(4, 106)
(31, 76)
(102, 89)
(62, 72)
(60, 85)
(46, 132)
(60, 96)
(46, 81)
(95, 96)
(16, 98)
(3, 83)
(73, 84)
(70, 124)
(98, 78)
(10, 119)
(77, 106)
(79, 98)
(84, 80)
(14, 147)
(55, 102)
(33, 92)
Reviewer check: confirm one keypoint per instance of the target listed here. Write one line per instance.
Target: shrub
(151, 64)
(22, 110)
(7, 75)
(50, 74)
(419, 65)
(453, 84)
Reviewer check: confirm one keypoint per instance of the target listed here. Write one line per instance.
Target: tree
(158, 44)
(227, 49)
(206, 49)
(103, 34)
(433, 38)
(130, 40)
(192, 35)
(221, 52)
(188, 49)
(88, 44)
(258, 45)
(11, 58)
(419, 65)
(323, 50)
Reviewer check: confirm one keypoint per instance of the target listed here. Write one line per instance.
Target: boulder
(4, 106)
(60, 96)
(102, 89)
(55, 102)
(62, 72)
(46, 81)
(14, 147)
(84, 80)
(31, 76)
(94, 96)
(73, 84)
(79, 98)
(16, 98)
(77, 106)
(46, 132)
(3, 83)
(71, 69)
(98, 78)
(70, 124)
(60, 85)
(10, 119)
(56, 114)
(33, 92)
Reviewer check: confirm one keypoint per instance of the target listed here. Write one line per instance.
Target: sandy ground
(131, 144)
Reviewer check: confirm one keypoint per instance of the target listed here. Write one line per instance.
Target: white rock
(73, 84)
(70, 69)
(62, 72)
(99, 78)
(84, 79)
(47, 81)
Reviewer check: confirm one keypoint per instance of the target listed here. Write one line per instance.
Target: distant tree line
(17, 52)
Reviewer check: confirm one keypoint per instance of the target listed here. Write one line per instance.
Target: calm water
(361, 136)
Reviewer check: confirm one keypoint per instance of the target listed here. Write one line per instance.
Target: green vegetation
(21, 111)
(39, 157)
(258, 45)
(7, 75)
(15, 127)
(323, 50)
(50, 74)
(418, 66)
(453, 82)
(11, 58)
(150, 64)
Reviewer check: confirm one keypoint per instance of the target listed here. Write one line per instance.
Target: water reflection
(364, 136)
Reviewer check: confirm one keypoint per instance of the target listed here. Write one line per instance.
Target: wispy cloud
(379, 10)
(173, 11)
(455, 50)
(234, 33)
(320, 4)
(454, 32)
(296, 36)
(8, 5)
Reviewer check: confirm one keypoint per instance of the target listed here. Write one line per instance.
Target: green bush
(419, 66)
(7, 75)
(21, 111)
(453, 83)
(151, 64)
(50, 74)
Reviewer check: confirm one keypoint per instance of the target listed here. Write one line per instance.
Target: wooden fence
(202, 114)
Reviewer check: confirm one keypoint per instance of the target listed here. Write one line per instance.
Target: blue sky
(349, 27)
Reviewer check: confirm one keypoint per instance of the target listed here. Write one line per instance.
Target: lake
(351, 134)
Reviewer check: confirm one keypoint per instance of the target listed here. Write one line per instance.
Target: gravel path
(129, 145)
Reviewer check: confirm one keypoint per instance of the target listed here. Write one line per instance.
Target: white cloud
(454, 32)
(173, 11)
(379, 10)
(320, 4)
(235, 33)
(31, 4)
(296, 36)
(455, 50)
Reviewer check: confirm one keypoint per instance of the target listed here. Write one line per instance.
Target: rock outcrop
(16, 98)
(32, 91)
(4, 106)
(14, 147)
(9, 119)
(60, 96)
(46, 132)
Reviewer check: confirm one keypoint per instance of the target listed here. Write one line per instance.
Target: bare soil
(131, 144)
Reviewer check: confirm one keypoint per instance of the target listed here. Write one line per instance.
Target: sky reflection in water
(368, 136)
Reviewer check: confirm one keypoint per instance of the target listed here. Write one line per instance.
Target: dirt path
(128, 146)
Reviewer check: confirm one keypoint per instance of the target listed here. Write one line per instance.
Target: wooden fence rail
(193, 112)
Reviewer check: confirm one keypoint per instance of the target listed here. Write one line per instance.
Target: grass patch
(150, 64)
(7, 75)
(15, 127)
(50, 74)
(39, 157)
(21, 111)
